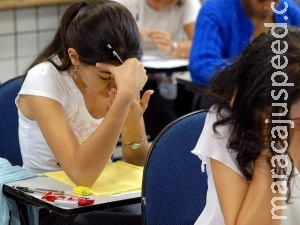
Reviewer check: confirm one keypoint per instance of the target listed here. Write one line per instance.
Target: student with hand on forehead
(82, 92)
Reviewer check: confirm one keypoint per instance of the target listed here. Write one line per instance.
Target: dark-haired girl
(251, 138)
(82, 92)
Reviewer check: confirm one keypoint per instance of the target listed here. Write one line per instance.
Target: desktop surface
(101, 202)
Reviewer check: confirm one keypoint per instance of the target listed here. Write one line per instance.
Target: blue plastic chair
(9, 139)
(174, 187)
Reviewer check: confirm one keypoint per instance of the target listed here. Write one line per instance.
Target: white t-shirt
(171, 19)
(211, 145)
(46, 81)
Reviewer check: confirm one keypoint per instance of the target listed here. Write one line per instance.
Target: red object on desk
(82, 201)
(50, 197)
(85, 201)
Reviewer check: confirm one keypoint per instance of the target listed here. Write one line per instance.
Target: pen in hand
(115, 53)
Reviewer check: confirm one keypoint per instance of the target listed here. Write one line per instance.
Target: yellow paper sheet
(117, 177)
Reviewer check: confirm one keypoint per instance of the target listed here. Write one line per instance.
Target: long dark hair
(249, 80)
(88, 27)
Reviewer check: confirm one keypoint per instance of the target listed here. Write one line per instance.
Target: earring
(75, 72)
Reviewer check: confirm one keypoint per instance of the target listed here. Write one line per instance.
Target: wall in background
(23, 33)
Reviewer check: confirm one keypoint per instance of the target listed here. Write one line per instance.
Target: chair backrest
(9, 139)
(174, 188)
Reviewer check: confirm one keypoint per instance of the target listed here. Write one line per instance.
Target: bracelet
(135, 145)
(174, 47)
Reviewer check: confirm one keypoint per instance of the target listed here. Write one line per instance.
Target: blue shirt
(222, 31)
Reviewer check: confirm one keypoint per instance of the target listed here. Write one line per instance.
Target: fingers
(159, 36)
(145, 99)
(106, 68)
(112, 95)
(162, 39)
(103, 66)
(130, 77)
(144, 32)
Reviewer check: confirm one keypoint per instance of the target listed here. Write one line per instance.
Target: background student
(225, 27)
(251, 159)
(167, 30)
(78, 98)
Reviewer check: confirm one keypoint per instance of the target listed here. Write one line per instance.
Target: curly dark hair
(246, 89)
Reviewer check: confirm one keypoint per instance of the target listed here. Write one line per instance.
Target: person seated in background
(166, 30)
(225, 27)
(80, 94)
(250, 140)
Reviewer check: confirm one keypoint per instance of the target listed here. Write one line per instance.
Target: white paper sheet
(155, 62)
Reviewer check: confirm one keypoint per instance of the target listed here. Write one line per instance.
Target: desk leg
(23, 214)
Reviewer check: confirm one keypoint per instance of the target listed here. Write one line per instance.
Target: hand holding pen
(161, 39)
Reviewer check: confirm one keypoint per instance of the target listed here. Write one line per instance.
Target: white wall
(23, 33)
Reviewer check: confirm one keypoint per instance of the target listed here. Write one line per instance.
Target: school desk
(22, 198)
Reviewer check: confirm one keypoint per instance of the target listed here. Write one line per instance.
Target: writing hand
(160, 38)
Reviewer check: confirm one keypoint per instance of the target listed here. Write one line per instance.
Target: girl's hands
(139, 106)
(160, 38)
(145, 99)
(112, 94)
(137, 102)
(129, 77)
